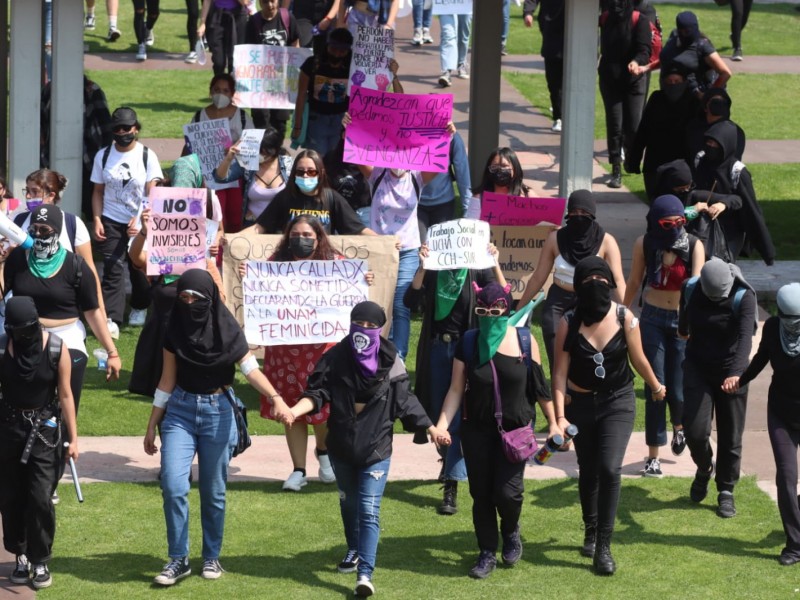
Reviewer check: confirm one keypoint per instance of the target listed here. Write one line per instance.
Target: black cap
(124, 116)
(48, 214)
(340, 38)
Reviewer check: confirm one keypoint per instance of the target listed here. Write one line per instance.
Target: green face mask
(492, 332)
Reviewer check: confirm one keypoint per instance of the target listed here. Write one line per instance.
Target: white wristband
(248, 366)
(160, 398)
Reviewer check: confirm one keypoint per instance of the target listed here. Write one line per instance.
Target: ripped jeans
(360, 493)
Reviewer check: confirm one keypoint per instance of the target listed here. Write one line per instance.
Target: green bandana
(45, 267)
(492, 332)
(448, 289)
(167, 279)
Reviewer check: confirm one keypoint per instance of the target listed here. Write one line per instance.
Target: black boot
(589, 538)
(616, 176)
(448, 505)
(603, 561)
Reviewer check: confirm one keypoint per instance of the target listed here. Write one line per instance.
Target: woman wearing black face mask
(593, 388)
(503, 174)
(582, 236)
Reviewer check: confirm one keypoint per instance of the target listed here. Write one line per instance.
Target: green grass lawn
(771, 30)
(282, 545)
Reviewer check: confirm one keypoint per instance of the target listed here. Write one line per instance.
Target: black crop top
(583, 368)
(55, 297)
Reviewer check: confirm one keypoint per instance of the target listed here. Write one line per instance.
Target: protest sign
(249, 146)
(302, 301)
(379, 251)
(210, 140)
(519, 249)
(267, 76)
(452, 7)
(403, 131)
(373, 49)
(501, 209)
(176, 233)
(462, 243)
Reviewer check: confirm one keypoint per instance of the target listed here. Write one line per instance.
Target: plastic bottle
(690, 212)
(13, 232)
(102, 358)
(569, 433)
(550, 447)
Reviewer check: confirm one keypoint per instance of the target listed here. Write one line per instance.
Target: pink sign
(403, 131)
(176, 233)
(500, 209)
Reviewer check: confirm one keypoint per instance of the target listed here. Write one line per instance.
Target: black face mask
(501, 178)
(618, 8)
(124, 139)
(685, 196)
(594, 301)
(674, 91)
(579, 224)
(718, 108)
(301, 247)
(714, 154)
(26, 335)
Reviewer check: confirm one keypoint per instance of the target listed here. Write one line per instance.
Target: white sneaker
(462, 72)
(137, 317)
(113, 330)
(416, 39)
(326, 474)
(142, 53)
(90, 24)
(426, 36)
(444, 79)
(364, 587)
(556, 126)
(296, 482)
(191, 58)
(150, 39)
(113, 34)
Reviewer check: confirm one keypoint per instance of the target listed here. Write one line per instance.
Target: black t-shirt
(311, 10)
(270, 32)
(55, 297)
(334, 213)
(347, 180)
(458, 321)
(327, 86)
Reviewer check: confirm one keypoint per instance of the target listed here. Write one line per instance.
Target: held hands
(635, 68)
(150, 442)
(730, 385)
(440, 437)
(282, 412)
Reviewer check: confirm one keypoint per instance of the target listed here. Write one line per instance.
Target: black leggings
(225, 29)
(140, 25)
(554, 75)
(192, 14)
(605, 423)
(624, 103)
(740, 12)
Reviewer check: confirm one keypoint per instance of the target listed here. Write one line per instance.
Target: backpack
(380, 177)
(691, 284)
(54, 346)
(656, 42)
(70, 220)
(145, 152)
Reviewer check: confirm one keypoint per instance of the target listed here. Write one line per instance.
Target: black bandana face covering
(594, 300)
(44, 247)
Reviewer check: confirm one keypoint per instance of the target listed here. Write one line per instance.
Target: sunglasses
(309, 172)
(495, 311)
(43, 230)
(499, 168)
(121, 128)
(672, 223)
(599, 370)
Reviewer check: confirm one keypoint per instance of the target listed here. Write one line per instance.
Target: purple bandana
(365, 343)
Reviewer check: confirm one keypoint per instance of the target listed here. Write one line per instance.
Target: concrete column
(4, 88)
(66, 115)
(580, 75)
(25, 85)
(484, 89)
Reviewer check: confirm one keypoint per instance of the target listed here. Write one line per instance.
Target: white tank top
(564, 272)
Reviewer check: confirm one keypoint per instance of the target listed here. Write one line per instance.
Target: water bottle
(102, 358)
(550, 447)
(569, 433)
(13, 232)
(690, 212)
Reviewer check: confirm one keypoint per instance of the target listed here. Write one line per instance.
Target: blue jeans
(442, 354)
(401, 315)
(323, 132)
(422, 16)
(364, 214)
(202, 424)
(451, 56)
(664, 350)
(360, 494)
(506, 20)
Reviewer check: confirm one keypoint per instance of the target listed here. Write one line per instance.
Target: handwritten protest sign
(301, 302)
(379, 251)
(373, 49)
(210, 140)
(267, 76)
(452, 7)
(249, 146)
(404, 131)
(462, 243)
(500, 209)
(176, 233)
(519, 248)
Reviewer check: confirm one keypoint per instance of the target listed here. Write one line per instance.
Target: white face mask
(221, 100)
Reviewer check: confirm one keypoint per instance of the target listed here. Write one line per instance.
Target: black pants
(192, 14)
(225, 29)
(141, 25)
(271, 117)
(740, 12)
(702, 399)
(115, 254)
(624, 102)
(605, 422)
(433, 215)
(785, 440)
(496, 486)
(554, 74)
(29, 519)
(558, 301)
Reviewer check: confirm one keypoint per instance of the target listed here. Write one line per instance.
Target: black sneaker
(616, 177)
(176, 569)
(678, 442)
(40, 577)
(699, 489)
(652, 468)
(486, 563)
(211, 569)
(725, 506)
(512, 548)
(737, 56)
(349, 563)
(448, 505)
(22, 570)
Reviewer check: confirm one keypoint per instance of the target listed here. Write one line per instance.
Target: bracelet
(658, 391)
(561, 417)
(113, 353)
(275, 396)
